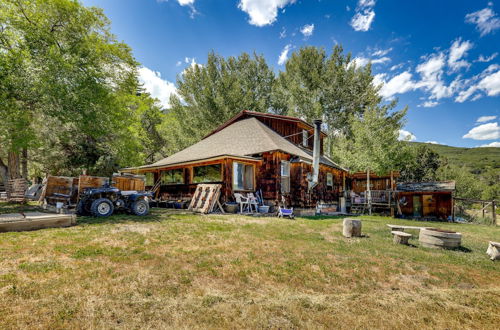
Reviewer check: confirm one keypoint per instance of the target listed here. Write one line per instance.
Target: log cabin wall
(322, 193)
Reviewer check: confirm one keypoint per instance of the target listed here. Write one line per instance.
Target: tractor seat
(128, 192)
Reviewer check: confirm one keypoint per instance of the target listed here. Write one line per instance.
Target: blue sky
(441, 58)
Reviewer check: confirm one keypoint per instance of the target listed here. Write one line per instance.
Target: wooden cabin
(251, 152)
(426, 199)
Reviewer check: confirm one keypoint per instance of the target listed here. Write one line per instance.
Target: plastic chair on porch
(242, 201)
(253, 201)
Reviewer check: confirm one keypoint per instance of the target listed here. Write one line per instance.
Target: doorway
(417, 206)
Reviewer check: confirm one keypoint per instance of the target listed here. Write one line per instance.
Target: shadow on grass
(156, 215)
(322, 217)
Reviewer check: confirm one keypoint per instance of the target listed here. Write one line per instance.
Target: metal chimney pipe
(316, 154)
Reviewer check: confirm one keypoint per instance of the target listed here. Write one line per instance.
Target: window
(329, 179)
(209, 173)
(305, 138)
(242, 176)
(285, 177)
(150, 179)
(172, 176)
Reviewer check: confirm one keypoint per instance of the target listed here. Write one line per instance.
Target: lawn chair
(283, 211)
(252, 200)
(242, 201)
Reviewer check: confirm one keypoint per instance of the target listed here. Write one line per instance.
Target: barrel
(439, 238)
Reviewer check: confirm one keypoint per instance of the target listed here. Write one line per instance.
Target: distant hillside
(477, 159)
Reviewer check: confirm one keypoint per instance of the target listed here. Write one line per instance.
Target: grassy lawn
(189, 271)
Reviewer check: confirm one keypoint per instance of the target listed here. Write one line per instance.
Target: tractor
(104, 201)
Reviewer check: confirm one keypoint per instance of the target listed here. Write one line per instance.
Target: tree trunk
(24, 163)
(13, 162)
(368, 192)
(4, 172)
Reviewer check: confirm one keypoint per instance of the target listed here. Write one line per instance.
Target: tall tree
(65, 79)
(212, 93)
(315, 85)
(422, 165)
(373, 143)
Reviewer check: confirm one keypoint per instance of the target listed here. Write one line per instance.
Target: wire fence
(475, 211)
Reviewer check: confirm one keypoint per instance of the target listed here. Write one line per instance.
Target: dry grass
(187, 271)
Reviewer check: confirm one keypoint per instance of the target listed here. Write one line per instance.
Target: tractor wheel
(102, 207)
(140, 207)
(82, 208)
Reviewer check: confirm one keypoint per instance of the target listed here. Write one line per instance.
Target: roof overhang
(147, 168)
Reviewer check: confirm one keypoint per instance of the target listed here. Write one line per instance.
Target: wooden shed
(426, 199)
(251, 152)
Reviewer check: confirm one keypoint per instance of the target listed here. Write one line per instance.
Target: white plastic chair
(252, 200)
(242, 200)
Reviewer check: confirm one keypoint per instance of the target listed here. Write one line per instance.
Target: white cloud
(381, 52)
(185, 2)
(495, 144)
(484, 59)
(397, 66)
(431, 72)
(485, 119)
(429, 104)
(432, 142)
(362, 61)
(459, 50)
(399, 84)
(491, 84)
(490, 131)
(307, 30)
(364, 16)
(284, 54)
(283, 33)
(156, 86)
(486, 20)
(263, 12)
(406, 136)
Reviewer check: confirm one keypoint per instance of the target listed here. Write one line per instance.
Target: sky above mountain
(441, 58)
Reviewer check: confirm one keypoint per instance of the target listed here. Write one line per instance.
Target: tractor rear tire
(140, 207)
(102, 207)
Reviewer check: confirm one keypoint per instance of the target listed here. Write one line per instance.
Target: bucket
(264, 209)
(59, 205)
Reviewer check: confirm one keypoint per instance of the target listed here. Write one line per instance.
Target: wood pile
(16, 189)
(126, 182)
(206, 198)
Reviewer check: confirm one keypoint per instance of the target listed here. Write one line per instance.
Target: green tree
(315, 85)
(67, 88)
(421, 165)
(467, 185)
(212, 93)
(373, 143)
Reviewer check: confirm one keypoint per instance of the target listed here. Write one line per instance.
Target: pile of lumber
(16, 189)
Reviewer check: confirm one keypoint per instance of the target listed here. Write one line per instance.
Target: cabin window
(208, 173)
(242, 176)
(329, 179)
(172, 176)
(150, 179)
(285, 177)
(305, 138)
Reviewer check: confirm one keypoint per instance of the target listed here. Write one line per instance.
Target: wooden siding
(267, 178)
(432, 204)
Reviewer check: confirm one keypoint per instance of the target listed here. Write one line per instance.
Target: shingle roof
(243, 138)
(427, 186)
